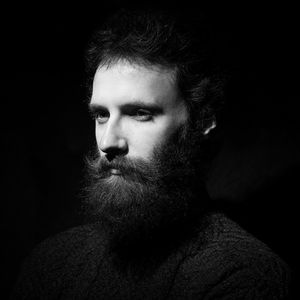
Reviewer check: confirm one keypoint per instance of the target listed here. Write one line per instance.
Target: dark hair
(175, 42)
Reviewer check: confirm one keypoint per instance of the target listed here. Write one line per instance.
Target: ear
(212, 125)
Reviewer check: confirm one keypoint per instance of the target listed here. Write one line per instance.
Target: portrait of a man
(157, 92)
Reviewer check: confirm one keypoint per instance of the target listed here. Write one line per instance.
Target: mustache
(131, 168)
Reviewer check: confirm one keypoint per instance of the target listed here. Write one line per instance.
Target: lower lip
(115, 172)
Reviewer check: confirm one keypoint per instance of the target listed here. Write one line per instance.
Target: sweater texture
(220, 261)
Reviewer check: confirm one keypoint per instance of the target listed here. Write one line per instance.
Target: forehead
(124, 81)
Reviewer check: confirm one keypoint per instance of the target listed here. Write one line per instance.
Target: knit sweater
(222, 261)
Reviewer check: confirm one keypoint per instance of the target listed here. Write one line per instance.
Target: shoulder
(227, 260)
(64, 245)
(55, 259)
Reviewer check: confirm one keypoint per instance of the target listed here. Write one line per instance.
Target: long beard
(151, 200)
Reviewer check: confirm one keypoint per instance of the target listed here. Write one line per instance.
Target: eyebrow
(94, 108)
(155, 108)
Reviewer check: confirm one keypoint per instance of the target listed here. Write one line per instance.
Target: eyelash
(142, 115)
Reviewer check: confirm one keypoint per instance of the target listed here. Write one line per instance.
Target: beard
(151, 202)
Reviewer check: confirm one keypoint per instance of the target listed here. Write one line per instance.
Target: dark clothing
(221, 262)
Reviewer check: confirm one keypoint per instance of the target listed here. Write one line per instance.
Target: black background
(46, 130)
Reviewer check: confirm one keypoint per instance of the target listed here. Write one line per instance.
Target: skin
(136, 109)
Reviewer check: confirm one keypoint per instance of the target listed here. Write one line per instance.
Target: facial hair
(150, 200)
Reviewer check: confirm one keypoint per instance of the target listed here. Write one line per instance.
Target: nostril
(112, 153)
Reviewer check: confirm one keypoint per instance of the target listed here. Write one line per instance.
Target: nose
(112, 141)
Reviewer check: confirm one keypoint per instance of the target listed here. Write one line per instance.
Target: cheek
(144, 140)
(98, 136)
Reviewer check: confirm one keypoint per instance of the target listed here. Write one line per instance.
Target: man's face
(143, 176)
(136, 110)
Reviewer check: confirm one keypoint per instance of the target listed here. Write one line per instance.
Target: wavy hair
(152, 38)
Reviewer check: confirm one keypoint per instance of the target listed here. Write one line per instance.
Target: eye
(142, 115)
(101, 117)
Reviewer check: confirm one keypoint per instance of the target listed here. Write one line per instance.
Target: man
(156, 90)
